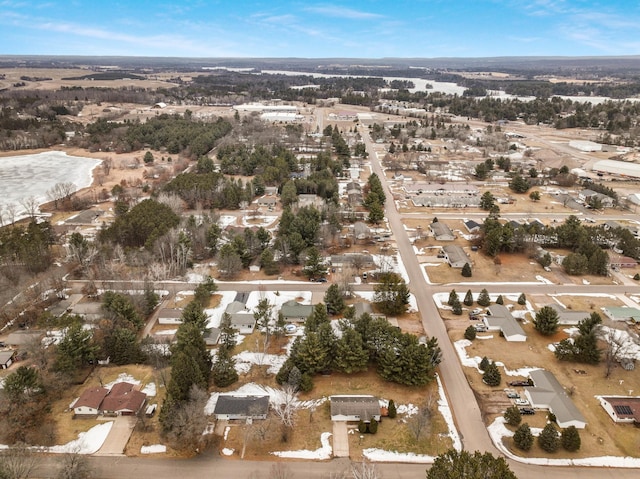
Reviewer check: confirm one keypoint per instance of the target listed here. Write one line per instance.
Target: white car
(476, 311)
(521, 402)
(290, 328)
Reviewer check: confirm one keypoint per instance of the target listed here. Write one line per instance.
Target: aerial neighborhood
(272, 267)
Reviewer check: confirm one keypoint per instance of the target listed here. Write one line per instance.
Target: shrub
(512, 416)
(466, 270)
(392, 411)
(306, 382)
(362, 427)
(637, 276)
(470, 333)
(456, 308)
(499, 300)
(453, 297)
(523, 438)
(570, 439)
(522, 299)
(373, 426)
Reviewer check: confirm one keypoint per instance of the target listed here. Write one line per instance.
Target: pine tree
(523, 439)
(334, 299)
(456, 307)
(310, 356)
(570, 439)
(373, 426)
(351, 356)
(546, 321)
(392, 410)
(548, 439)
(318, 316)
(465, 465)
(466, 271)
(499, 300)
(492, 376)
(453, 297)
(522, 299)
(468, 298)
(224, 372)
(362, 427)
(484, 363)
(470, 333)
(512, 416)
(484, 299)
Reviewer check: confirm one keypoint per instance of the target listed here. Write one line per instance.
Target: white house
(622, 409)
(501, 319)
(548, 393)
(455, 256)
(170, 316)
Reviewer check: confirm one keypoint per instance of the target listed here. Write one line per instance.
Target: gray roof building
(549, 394)
(241, 407)
(442, 232)
(455, 256)
(500, 318)
(355, 408)
(568, 316)
(292, 311)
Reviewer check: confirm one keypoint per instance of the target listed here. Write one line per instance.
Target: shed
(355, 408)
(500, 318)
(548, 393)
(6, 358)
(235, 407)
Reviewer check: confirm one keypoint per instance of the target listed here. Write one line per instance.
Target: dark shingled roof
(242, 405)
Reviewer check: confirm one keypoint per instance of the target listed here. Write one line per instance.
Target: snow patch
(153, 449)
(324, 452)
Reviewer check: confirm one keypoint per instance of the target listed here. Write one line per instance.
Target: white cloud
(342, 12)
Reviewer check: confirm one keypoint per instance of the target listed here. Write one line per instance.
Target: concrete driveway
(118, 436)
(340, 439)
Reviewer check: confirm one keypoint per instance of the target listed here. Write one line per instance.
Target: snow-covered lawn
(87, 443)
(323, 453)
(153, 449)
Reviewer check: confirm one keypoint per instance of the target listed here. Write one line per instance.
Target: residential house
(170, 316)
(586, 196)
(123, 400)
(267, 201)
(294, 312)
(625, 409)
(621, 313)
(89, 311)
(441, 231)
(310, 200)
(569, 316)
(358, 260)
(548, 393)
(234, 407)
(355, 408)
(241, 318)
(362, 307)
(501, 319)
(619, 261)
(455, 256)
(6, 358)
(212, 336)
(88, 404)
(24, 337)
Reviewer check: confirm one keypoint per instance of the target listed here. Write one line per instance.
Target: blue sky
(358, 29)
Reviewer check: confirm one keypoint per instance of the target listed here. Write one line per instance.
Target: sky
(309, 29)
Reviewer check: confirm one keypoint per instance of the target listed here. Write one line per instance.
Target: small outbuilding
(6, 358)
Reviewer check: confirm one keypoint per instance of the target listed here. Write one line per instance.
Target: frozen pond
(27, 176)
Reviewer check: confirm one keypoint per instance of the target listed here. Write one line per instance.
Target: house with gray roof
(501, 319)
(455, 256)
(351, 259)
(355, 408)
(170, 316)
(6, 358)
(472, 226)
(441, 232)
(232, 407)
(294, 312)
(548, 393)
(569, 316)
(241, 318)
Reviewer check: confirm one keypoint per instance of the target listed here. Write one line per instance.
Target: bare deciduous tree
(30, 205)
(74, 466)
(11, 210)
(18, 462)
(420, 423)
(620, 345)
(364, 470)
(287, 410)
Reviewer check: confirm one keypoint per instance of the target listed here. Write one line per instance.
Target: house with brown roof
(624, 409)
(88, 404)
(123, 399)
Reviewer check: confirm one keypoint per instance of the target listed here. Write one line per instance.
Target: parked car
(527, 411)
(513, 395)
(521, 402)
(481, 328)
(476, 311)
(519, 383)
(473, 317)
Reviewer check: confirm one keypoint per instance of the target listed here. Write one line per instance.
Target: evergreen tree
(227, 332)
(189, 340)
(269, 266)
(314, 267)
(465, 465)
(484, 299)
(184, 374)
(468, 298)
(523, 438)
(522, 299)
(570, 439)
(391, 294)
(499, 300)
(310, 354)
(351, 356)
(546, 321)
(484, 363)
(548, 439)
(466, 271)
(334, 300)
(373, 426)
(392, 410)
(492, 376)
(318, 316)
(457, 307)
(224, 373)
(453, 297)
(512, 416)
(470, 333)
(194, 313)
